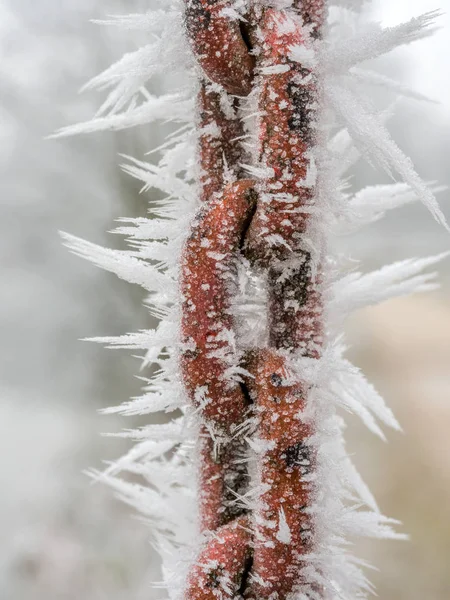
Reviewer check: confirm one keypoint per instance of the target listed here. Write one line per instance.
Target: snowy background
(64, 538)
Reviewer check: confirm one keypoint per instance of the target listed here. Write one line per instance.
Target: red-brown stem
(220, 151)
(219, 46)
(282, 525)
(295, 303)
(223, 476)
(288, 105)
(288, 102)
(222, 566)
(208, 267)
(313, 12)
(274, 241)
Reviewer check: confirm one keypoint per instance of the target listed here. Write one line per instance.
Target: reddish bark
(219, 46)
(208, 271)
(295, 309)
(223, 475)
(288, 105)
(220, 152)
(273, 233)
(222, 566)
(287, 136)
(313, 12)
(282, 525)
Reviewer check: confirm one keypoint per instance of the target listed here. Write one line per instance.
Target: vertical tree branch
(288, 102)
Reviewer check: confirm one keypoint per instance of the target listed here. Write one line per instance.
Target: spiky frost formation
(164, 455)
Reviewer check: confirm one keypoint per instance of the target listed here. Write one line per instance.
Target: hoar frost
(164, 455)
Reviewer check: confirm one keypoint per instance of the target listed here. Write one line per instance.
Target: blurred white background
(65, 539)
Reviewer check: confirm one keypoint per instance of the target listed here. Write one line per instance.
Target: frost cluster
(164, 454)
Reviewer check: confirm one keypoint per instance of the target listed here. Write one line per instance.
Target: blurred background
(64, 538)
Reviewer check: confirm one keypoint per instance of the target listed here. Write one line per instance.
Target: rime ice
(290, 315)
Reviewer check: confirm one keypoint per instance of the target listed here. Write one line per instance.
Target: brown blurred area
(403, 346)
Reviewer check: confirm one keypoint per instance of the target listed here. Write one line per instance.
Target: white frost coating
(377, 79)
(371, 40)
(355, 290)
(372, 137)
(303, 55)
(274, 69)
(283, 533)
(154, 109)
(310, 180)
(163, 458)
(370, 204)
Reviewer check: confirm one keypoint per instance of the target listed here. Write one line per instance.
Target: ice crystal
(164, 454)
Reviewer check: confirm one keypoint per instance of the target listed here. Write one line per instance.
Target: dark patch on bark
(246, 394)
(245, 576)
(276, 380)
(197, 17)
(298, 455)
(251, 197)
(295, 287)
(213, 578)
(302, 98)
